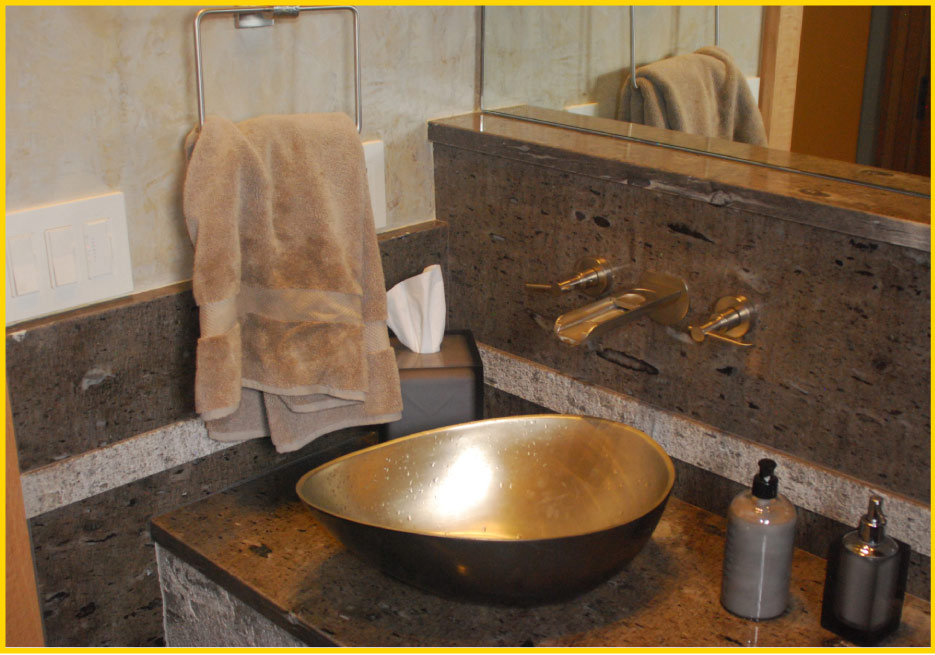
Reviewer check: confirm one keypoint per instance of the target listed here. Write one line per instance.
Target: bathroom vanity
(251, 567)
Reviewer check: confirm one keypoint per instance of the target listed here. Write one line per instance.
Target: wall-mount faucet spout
(663, 297)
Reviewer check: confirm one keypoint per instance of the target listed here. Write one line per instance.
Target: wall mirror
(843, 91)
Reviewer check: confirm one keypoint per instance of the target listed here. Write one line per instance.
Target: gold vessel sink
(516, 510)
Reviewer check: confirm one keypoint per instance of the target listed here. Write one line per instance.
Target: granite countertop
(260, 543)
(821, 201)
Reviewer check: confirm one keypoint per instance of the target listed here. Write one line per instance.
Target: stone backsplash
(88, 378)
(839, 368)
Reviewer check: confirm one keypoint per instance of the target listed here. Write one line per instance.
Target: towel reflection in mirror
(702, 93)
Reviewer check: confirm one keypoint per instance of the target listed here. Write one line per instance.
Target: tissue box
(440, 388)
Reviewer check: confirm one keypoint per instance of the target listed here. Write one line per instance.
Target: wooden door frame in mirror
(779, 68)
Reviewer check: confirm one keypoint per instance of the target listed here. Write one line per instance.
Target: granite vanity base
(251, 567)
(200, 613)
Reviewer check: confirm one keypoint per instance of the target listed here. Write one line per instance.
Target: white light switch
(66, 255)
(97, 248)
(22, 260)
(63, 262)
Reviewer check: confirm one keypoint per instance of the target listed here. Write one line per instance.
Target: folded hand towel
(700, 93)
(288, 280)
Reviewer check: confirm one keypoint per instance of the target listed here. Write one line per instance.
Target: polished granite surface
(843, 171)
(260, 543)
(886, 216)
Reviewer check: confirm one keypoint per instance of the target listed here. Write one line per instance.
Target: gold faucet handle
(731, 319)
(593, 276)
(551, 289)
(735, 342)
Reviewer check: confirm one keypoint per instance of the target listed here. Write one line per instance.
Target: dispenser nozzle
(872, 526)
(765, 483)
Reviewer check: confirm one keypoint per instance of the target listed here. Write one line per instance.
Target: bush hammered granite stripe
(812, 487)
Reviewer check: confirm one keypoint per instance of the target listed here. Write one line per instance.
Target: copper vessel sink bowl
(518, 510)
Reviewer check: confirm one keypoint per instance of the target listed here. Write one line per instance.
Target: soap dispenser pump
(866, 580)
(758, 550)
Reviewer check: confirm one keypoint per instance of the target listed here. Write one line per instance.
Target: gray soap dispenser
(865, 580)
(758, 549)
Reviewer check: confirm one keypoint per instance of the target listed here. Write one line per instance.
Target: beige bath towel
(288, 280)
(700, 93)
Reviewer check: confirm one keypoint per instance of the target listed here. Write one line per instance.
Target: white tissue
(416, 310)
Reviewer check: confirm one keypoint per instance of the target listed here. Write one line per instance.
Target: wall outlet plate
(66, 255)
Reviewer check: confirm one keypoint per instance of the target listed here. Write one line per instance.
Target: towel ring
(262, 17)
(717, 40)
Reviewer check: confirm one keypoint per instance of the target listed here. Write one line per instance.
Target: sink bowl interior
(465, 501)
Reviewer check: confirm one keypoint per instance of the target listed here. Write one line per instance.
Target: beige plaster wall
(556, 56)
(101, 98)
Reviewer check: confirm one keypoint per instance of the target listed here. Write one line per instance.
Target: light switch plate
(66, 255)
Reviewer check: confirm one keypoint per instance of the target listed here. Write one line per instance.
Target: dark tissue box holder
(438, 389)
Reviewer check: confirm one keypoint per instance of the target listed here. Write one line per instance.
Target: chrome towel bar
(264, 16)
